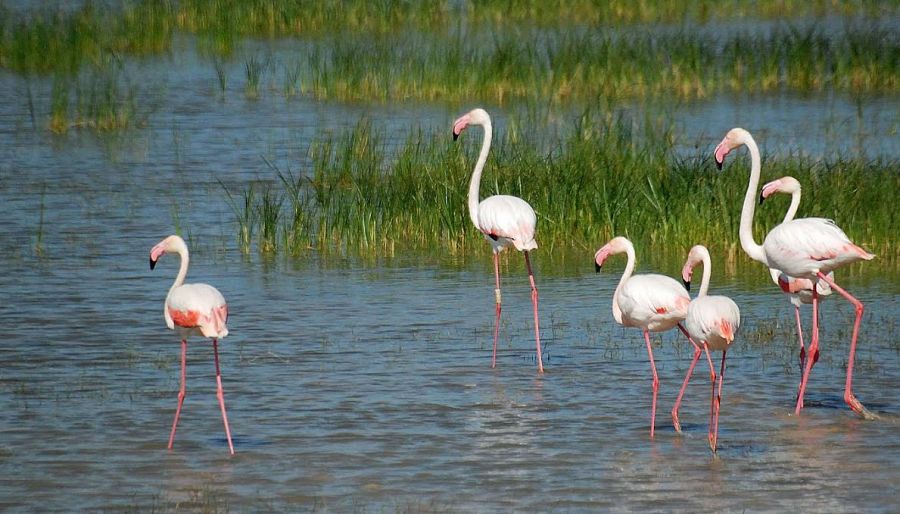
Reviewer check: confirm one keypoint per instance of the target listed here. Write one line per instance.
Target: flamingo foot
(858, 407)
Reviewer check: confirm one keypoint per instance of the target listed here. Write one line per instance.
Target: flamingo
(193, 309)
(506, 221)
(713, 321)
(650, 302)
(799, 290)
(807, 248)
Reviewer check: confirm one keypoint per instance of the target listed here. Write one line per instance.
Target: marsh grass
(255, 70)
(99, 99)
(607, 175)
(565, 65)
(499, 51)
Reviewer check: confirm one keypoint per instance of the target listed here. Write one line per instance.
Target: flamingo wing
(714, 319)
(508, 217)
(805, 246)
(199, 306)
(657, 301)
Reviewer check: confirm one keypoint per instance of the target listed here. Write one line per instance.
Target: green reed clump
(254, 70)
(607, 175)
(99, 100)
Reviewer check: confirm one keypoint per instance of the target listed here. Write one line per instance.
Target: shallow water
(360, 386)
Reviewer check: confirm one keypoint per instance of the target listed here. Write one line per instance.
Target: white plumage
(653, 303)
(506, 221)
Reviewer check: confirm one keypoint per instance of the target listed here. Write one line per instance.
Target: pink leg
(655, 384)
(800, 337)
(717, 402)
(813, 350)
(712, 376)
(220, 394)
(687, 379)
(180, 392)
(537, 326)
(848, 389)
(497, 319)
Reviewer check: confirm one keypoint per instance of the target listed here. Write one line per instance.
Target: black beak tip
(761, 198)
(597, 267)
(687, 284)
(455, 136)
(719, 164)
(152, 264)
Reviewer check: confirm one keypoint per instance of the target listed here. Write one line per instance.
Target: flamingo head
(788, 185)
(733, 139)
(615, 246)
(172, 243)
(476, 116)
(695, 257)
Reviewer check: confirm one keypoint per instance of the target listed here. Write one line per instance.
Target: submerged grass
(606, 176)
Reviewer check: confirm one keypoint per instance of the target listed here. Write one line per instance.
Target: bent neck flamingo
(799, 290)
(803, 248)
(712, 321)
(193, 309)
(650, 302)
(506, 221)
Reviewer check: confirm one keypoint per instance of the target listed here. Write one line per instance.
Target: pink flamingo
(799, 290)
(650, 302)
(193, 309)
(807, 248)
(506, 221)
(713, 321)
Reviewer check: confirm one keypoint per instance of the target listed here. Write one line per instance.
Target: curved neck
(475, 182)
(754, 250)
(795, 204)
(707, 271)
(182, 271)
(629, 269)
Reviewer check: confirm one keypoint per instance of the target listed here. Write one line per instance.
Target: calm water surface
(360, 386)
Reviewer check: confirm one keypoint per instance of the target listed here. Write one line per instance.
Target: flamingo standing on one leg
(651, 302)
(193, 309)
(799, 290)
(807, 248)
(506, 221)
(713, 321)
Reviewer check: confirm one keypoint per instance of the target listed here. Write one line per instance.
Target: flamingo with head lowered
(799, 290)
(712, 321)
(193, 309)
(808, 248)
(650, 302)
(506, 221)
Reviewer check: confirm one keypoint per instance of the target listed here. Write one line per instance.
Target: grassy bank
(602, 178)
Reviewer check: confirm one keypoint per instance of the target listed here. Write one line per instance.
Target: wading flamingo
(650, 302)
(807, 248)
(193, 309)
(712, 321)
(799, 290)
(506, 221)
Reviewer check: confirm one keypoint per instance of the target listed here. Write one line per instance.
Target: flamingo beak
(455, 135)
(722, 150)
(762, 197)
(597, 267)
(687, 284)
(152, 263)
